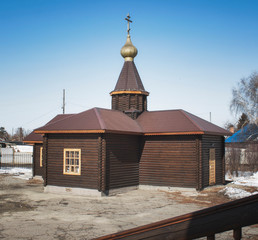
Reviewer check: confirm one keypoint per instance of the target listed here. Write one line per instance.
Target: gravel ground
(26, 212)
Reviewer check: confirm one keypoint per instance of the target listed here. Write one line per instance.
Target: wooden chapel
(103, 151)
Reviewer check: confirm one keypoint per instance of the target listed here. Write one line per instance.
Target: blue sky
(190, 55)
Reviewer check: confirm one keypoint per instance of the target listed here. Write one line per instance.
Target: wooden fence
(204, 223)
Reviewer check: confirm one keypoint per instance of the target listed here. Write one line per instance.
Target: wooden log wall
(45, 158)
(102, 164)
(34, 159)
(37, 170)
(169, 161)
(217, 142)
(89, 145)
(122, 160)
(123, 102)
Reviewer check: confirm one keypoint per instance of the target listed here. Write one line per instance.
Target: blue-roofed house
(247, 134)
(242, 149)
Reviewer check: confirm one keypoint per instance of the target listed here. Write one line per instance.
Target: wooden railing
(204, 223)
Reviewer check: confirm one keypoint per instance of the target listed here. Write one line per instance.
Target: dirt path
(26, 212)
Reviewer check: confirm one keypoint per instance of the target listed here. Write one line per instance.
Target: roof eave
(173, 133)
(139, 92)
(69, 131)
(124, 132)
(32, 142)
(88, 131)
(218, 133)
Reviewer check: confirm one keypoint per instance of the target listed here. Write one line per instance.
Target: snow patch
(251, 181)
(244, 179)
(236, 193)
(232, 177)
(23, 173)
(23, 148)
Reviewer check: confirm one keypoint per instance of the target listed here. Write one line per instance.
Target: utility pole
(210, 116)
(63, 101)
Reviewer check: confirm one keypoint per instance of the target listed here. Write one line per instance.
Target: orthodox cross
(128, 23)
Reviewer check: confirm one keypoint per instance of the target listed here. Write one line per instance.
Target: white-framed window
(40, 156)
(72, 161)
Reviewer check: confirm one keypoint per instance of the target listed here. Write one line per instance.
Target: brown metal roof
(129, 78)
(99, 120)
(176, 122)
(33, 138)
(206, 126)
(59, 117)
(38, 138)
(93, 120)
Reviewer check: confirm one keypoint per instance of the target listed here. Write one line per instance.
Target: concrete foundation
(167, 189)
(86, 191)
(116, 191)
(113, 192)
(72, 191)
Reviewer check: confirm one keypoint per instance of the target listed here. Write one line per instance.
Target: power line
(55, 109)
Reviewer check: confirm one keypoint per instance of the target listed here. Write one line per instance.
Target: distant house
(6, 144)
(100, 151)
(3, 144)
(248, 134)
(242, 147)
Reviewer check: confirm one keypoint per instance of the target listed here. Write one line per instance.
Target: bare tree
(252, 156)
(20, 134)
(245, 98)
(3, 134)
(233, 158)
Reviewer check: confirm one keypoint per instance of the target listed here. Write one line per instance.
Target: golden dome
(128, 51)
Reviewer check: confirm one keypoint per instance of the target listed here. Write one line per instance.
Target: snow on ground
(247, 179)
(244, 179)
(251, 181)
(23, 173)
(236, 193)
(23, 148)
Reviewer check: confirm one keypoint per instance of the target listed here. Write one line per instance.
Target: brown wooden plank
(206, 222)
